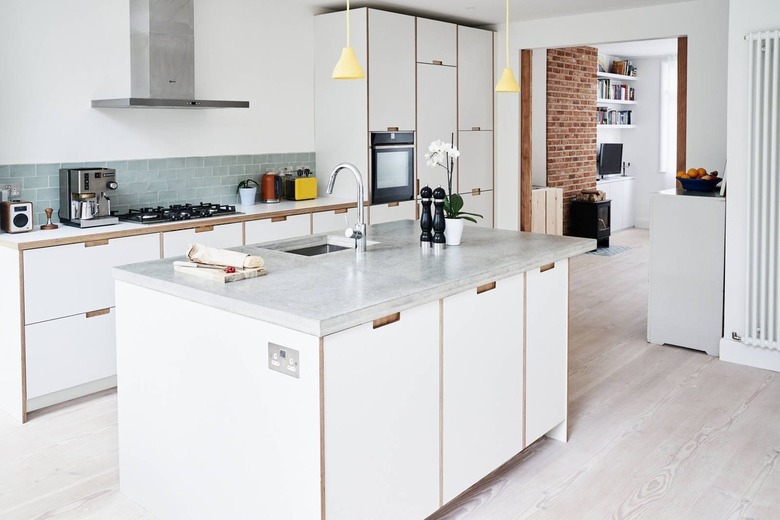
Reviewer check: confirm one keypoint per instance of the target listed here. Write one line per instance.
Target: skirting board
(36, 403)
(741, 354)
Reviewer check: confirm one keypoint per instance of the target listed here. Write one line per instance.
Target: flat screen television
(610, 158)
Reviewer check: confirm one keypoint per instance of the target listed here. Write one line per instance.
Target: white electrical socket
(15, 190)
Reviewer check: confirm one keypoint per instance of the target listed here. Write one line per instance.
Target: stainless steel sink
(316, 250)
(314, 246)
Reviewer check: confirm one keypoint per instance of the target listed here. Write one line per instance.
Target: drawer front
(392, 212)
(69, 352)
(76, 278)
(333, 221)
(279, 228)
(175, 243)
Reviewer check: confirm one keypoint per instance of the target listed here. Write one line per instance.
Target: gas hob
(176, 212)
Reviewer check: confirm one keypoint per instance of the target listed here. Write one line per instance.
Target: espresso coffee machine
(84, 200)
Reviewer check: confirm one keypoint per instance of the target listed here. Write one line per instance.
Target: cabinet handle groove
(387, 320)
(547, 267)
(476, 128)
(95, 243)
(392, 128)
(392, 204)
(438, 62)
(487, 287)
(204, 229)
(340, 211)
(279, 219)
(99, 312)
(476, 191)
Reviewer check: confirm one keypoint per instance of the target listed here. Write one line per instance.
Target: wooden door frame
(526, 128)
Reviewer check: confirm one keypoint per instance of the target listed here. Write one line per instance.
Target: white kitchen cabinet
(437, 105)
(437, 42)
(391, 64)
(334, 221)
(475, 79)
(483, 381)
(381, 402)
(276, 228)
(175, 243)
(68, 352)
(481, 203)
(76, 278)
(475, 164)
(621, 192)
(546, 332)
(393, 211)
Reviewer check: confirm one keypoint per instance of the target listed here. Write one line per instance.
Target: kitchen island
(340, 386)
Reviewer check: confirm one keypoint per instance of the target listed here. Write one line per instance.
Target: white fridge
(687, 240)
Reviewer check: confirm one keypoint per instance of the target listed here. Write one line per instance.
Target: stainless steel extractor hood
(162, 59)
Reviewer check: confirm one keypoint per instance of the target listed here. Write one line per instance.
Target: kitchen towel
(204, 254)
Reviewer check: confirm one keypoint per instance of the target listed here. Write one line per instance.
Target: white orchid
(444, 155)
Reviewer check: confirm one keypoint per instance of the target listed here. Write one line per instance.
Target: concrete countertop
(325, 294)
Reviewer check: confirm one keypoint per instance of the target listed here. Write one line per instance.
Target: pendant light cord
(348, 22)
(507, 31)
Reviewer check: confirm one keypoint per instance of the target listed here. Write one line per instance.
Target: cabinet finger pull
(279, 219)
(99, 312)
(546, 267)
(476, 128)
(95, 243)
(476, 191)
(392, 128)
(487, 287)
(387, 320)
(204, 229)
(437, 62)
(392, 204)
(340, 211)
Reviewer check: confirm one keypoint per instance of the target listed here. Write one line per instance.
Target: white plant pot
(453, 231)
(248, 196)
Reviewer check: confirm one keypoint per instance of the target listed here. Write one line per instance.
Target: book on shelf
(623, 67)
(608, 89)
(605, 116)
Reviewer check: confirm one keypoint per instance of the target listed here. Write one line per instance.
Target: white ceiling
(486, 12)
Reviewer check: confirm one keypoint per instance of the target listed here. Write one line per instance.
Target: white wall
(705, 22)
(57, 56)
(539, 118)
(745, 16)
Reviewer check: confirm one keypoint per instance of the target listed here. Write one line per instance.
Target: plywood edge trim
(322, 426)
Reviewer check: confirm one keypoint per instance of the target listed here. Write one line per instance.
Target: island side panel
(11, 350)
(206, 430)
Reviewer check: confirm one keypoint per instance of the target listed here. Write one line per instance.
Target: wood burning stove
(591, 220)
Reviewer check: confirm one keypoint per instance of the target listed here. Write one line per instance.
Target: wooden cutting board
(219, 275)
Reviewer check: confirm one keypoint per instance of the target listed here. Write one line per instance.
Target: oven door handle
(392, 146)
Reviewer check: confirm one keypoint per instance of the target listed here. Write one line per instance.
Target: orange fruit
(680, 174)
(693, 173)
(702, 172)
(685, 176)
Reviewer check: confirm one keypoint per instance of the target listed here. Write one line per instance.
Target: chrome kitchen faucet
(359, 231)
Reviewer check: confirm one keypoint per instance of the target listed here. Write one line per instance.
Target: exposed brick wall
(571, 122)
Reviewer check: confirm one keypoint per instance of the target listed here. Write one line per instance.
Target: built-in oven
(392, 167)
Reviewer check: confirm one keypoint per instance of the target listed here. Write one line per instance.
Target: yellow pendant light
(507, 83)
(348, 66)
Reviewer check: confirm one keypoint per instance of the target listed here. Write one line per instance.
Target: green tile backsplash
(156, 182)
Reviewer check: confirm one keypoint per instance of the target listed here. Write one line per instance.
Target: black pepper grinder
(439, 242)
(426, 219)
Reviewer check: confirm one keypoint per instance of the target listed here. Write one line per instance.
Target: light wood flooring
(655, 432)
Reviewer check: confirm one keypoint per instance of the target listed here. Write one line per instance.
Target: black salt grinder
(439, 242)
(426, 219)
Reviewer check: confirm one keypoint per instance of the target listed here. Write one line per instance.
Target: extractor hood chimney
(162, 59)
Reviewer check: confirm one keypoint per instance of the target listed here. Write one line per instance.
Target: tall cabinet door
(437, 42)
(475, 79)
(482, 367)
(436, 118)
(391, 60)
(475, 169)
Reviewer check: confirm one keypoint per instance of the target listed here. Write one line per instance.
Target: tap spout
(360, 228)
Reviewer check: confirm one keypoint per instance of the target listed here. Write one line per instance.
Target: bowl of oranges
(698, 179)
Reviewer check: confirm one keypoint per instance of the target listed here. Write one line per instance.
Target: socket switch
(283, 360)
(15, 190)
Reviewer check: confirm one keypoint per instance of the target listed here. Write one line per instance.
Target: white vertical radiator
(762, 304)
